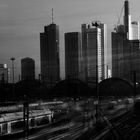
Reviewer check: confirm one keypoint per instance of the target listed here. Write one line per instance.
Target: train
(17, 125)
(19, 107)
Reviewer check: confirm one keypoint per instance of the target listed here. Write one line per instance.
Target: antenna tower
(52, 16)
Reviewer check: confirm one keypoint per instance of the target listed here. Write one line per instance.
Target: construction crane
(119, 19)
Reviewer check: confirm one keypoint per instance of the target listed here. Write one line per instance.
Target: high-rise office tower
(27, 69)
(106, 65)
(120, 53)
(4, 73)
(93, 51)
(134, 62)
(127, 17)
(134, 31)
(125, 48)
(131, 27)
(49, 52)
(73, 55)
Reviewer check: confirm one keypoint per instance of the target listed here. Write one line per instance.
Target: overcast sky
(21, 22)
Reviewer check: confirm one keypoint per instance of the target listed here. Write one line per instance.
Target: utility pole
(13, 77)
(96, 24)
(26, 116)
(107, 72)
(12, 59)
(134, 78)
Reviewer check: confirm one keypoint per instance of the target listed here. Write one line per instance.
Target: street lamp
(12, 59)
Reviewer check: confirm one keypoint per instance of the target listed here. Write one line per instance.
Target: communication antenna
(52, 16)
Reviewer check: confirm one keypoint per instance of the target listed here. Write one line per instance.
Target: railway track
(126, 127)
(111, 128)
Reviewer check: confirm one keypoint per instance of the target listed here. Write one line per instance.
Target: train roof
(8, 117)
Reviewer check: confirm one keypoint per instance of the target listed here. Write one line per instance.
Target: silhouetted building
(94, 52)
(4, 73)
(120, 53)
(127, 17)
(73, 55)
(125, 48)
(49, 52)
(27, 69)
(134, 46)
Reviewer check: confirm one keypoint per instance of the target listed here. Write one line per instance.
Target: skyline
(22, 21)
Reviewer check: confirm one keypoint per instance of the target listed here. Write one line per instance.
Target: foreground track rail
(126, 127)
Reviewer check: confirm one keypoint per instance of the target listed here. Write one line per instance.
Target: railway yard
(114, 119)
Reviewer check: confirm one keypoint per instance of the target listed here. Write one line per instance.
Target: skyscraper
(134, 63)
(93, 51)
(135, 31)
(105, 51)
(73, 55)
(125, 48)
(131, 28)
(27, 69)
(49, 52)
(127, 17)
(120, 53)
(4, 75)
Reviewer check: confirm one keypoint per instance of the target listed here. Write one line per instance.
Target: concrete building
(134, 46)
(4, 73)
(120, 55)
(73, 55)
(27, 69)
(131, 27)
(135, 30)
(106, 64)
(49, 52)
(125, 48)
(94, 52)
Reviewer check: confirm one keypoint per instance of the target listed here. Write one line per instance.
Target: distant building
(106, 50)
(94, 52)
(49, 52)
(131, 27)
(27, 69)
(73, 55)
(134, 31)
(134, 46)
(4, 73)
(126, 49)
(120, 55)
(125, 57)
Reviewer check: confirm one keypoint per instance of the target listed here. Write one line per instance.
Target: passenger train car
(12, 123)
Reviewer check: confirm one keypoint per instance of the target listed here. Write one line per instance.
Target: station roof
(116, 87)
(70, 88)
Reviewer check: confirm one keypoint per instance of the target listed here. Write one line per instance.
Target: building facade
(27, 69)
(49, 52)
(125, 48)
(120, 55)
(134, 46)
(134, 30)
(4, 73)
(73, 55)
(94, 52)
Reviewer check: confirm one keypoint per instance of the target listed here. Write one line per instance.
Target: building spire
(52, 16)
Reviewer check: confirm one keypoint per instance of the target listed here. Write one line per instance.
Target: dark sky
(21, 21)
